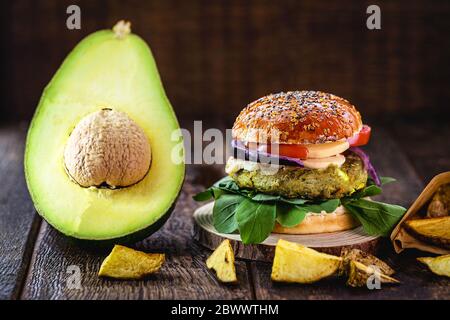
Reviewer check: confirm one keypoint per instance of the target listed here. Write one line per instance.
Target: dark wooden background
(216, 56)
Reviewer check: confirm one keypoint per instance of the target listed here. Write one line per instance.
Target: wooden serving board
(333, 242)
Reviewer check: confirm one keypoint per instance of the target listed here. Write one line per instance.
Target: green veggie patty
(294, 182)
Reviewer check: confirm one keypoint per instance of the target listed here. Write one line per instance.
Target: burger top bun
(297, 117)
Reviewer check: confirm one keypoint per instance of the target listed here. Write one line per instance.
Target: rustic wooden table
(34, 257)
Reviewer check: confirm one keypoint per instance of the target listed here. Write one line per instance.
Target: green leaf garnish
(203, 196)
(261, 197)
(377, 218)
(254, 214)
(290, 216)
(386, 180)
(224, 212)
(295, 201)
(369, 191)
(256, 220)
(328, 206)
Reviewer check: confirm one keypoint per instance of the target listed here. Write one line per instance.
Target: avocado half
(112, 70)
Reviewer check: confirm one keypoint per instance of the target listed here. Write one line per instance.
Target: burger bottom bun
(321, 223)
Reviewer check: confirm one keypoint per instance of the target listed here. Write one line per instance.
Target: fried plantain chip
(360, 273)
(432, 230)
(296, 263)
(365, 258)
(222, 261)
(438, 265)
(126, 263)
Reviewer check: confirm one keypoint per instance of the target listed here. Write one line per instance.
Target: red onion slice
(240, 151)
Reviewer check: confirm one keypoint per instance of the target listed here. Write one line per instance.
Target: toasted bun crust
(328, 222)
(299, 117)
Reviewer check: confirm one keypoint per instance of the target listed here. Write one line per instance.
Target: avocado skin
(132, 238)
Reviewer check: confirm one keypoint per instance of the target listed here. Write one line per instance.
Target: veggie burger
(297, 168)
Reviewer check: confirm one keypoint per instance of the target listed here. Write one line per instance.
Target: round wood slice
(332, 243)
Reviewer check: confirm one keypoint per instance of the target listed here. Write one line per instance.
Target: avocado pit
(107, 148)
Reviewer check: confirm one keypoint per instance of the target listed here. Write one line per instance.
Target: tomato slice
(287, 150)
(361, 138)
(293, 151)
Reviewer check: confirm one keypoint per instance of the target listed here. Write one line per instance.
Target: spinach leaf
(223, 182)
(204, 195)
(294, 200)
(289, 215)
(377, 218)
(386, 180)
(369, 191)
(224, 212)
(209, 193)
(329, 205)
(228, 184)
(218, 192)
(383, 180)
(261, 197)
(254, 213)
(256, 220)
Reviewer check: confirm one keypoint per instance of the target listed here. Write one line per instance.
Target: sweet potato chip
(222, 261)
(360, 273)
(126, 263)
(438, 265)
(432, 230)
(296, 263)
(365, 258)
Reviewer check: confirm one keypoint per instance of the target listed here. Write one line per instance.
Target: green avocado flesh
(103, 71)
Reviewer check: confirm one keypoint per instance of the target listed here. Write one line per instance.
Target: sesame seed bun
(297, 117)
